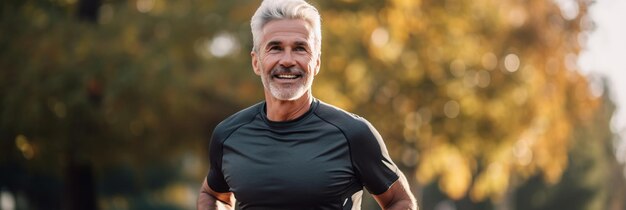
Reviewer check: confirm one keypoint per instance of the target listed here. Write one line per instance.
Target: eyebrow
(272, 43)
(301, 43)
(296, 43)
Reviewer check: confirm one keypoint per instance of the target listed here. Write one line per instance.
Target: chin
(288, 95)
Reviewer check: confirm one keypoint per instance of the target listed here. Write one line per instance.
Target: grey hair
(285, 9)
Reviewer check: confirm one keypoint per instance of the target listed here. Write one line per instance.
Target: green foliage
(131, 89)
(588, 181)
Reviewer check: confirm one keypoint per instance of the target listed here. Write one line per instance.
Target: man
(293, 151)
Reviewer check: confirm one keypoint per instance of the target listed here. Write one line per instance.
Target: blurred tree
(473, 97)
(591, 178)
(129, 86)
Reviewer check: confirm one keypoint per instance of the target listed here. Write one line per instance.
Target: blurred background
(484, 104)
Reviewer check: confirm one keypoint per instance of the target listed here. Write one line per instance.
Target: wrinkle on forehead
(277, 31)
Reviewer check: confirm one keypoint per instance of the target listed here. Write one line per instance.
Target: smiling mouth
(287, 76)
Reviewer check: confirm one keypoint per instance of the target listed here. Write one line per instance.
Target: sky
(605, 54)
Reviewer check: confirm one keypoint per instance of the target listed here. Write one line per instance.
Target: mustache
(287, 70)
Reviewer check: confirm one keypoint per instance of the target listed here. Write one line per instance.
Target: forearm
(406, 202)
(398, 197)
(207, 202)
(211, 200)
(402, 205)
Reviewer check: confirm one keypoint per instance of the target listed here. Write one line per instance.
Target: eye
(274, 48)
(300, 48)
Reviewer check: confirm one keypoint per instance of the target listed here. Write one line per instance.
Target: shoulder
(235, 121)
(352, 125)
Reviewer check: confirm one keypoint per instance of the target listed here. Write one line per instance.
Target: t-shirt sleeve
(371, 159)
(222, 131)
(215, 178)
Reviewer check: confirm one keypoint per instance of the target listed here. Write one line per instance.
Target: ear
(255, 63)
(317, 64)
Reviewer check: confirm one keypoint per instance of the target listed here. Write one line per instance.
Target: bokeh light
(223, 44)
(24, 145)
(451, 109)
(569, 8)
(145, 6)
(489, 61)
(7, 200)
(511, 62)
(380, 37)
(457, 68)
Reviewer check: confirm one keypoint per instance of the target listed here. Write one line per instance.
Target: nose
(287, 59)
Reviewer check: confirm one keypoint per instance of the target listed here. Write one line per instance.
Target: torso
(305, 163)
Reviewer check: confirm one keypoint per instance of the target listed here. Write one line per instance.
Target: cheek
(312, 67)
(268, 63)
(306, 62)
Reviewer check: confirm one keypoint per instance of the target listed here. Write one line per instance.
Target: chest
(309, 165)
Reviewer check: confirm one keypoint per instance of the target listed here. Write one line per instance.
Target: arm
(398, 196)
(211, 200)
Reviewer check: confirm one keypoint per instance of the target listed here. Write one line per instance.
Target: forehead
(286, 30)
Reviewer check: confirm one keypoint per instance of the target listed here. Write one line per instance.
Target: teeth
(286, 76)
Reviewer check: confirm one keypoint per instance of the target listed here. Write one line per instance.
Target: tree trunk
(79, 185)
(88, 10)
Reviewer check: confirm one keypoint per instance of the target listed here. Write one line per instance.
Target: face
(286, 59)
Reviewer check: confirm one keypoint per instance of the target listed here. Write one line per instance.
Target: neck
(280, 110)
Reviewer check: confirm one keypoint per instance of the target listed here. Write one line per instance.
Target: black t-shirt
(321, 160)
